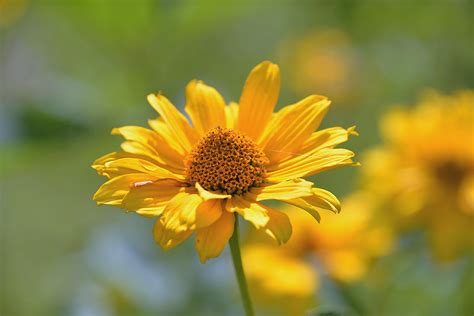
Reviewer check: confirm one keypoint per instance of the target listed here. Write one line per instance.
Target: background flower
(423, 173)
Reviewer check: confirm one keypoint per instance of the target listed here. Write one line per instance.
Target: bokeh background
(73, 70)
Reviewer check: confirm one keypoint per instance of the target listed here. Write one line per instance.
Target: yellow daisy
(197, 177)
(344, 245)
(423, 174)
(287, 286)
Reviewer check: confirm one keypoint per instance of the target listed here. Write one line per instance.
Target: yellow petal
(279, 226)
(205, 107)
(180, 213)
(292, 126)
(327, 138)
(162, 129)
(211, 240)
(231, 115)
(113, 191)
(122, 166)
(151, 199)
(302, 204)
(99, 163)
(324, 200)
(166, 238)
(176, 122)
(153, 143)
(306, 165)
(286, 190)
(207, 213)
(320, 200)
(209, 195)
(258, 99)
(250, 210)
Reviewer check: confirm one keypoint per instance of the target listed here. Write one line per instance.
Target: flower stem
(239, 269)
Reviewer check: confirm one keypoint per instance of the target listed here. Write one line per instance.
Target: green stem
(239, 269)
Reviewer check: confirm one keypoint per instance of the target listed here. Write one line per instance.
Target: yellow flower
(288, 285)
(424, 172)
(345, 245)
(233, 157)
(325, 59)
(11, 11)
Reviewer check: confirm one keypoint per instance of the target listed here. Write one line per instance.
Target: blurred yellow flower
(286, 284)
(345, 244)
(322, 59)
(424, 173)
(11, 11)
(195, 178)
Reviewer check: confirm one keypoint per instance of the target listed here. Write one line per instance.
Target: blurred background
(73, 70)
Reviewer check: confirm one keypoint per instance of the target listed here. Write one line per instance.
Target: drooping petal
(176, 122)
(302, 204)
(250, 210)
(151, 199)
(292, 126)
(258, 99)
(113, 191)
(211, 240)
(167, 238)
(320, 200)
(205, 107)
(306, 165)
(324, 199)
(231, 115)
(153, 143)
(286, 190)
(279, 226)
(208, 195)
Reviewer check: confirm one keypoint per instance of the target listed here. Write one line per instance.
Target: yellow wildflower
(343, 245)
(287, 286)
(424, 173)
(11, 11)
(233, 157)
(324, 59)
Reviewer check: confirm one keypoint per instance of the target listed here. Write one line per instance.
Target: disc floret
(226, 161)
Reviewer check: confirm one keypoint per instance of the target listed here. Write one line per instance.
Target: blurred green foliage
(70, 71)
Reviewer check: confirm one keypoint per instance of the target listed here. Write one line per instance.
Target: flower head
(233, 157)
(423, 174)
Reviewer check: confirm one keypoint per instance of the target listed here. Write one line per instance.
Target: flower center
(225, 160)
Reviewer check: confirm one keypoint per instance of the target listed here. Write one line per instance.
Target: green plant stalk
(239, 269)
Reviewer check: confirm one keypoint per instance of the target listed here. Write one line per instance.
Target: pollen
(226, 161)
